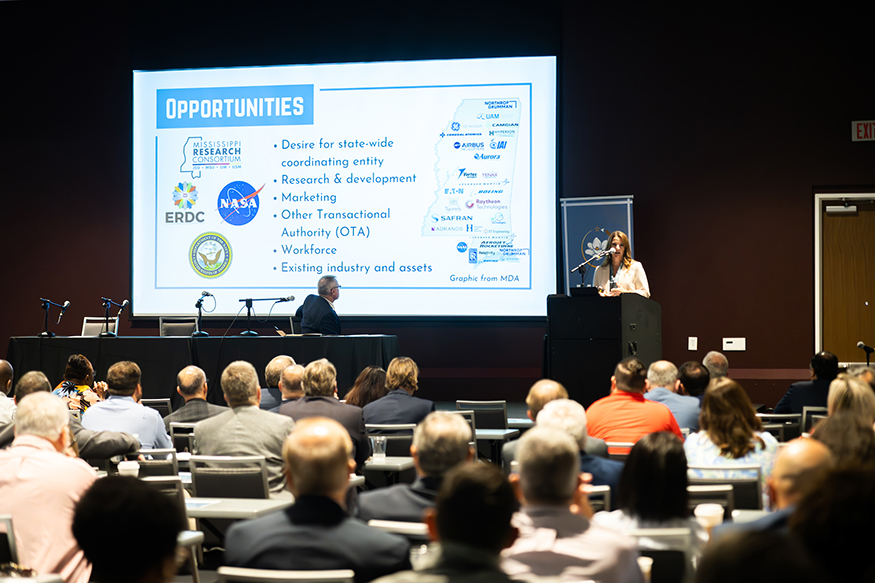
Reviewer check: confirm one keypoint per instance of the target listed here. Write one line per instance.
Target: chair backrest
(171, 486)
(159, 462)
(669, 566)
(469, 417)
(243, 575)
(415, 532)
(722, 494)
(391, 428)
(94, 325)
(163, 406)
(619, 450)
(399, 437)
(784, 426)
(489, 414)
(295, 323)
(600, 498)
(807, 413)
(747, 489)
(182, 436)
(177, 325)
(8, 550)
(229, 476)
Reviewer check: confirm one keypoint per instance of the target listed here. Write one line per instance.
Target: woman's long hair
(369, 386)
(627, 253)
(729, 418)
(653, 485)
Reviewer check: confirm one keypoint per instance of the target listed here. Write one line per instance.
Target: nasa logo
(238, 203)
(210, 255)
(455, 126)
(462, 247)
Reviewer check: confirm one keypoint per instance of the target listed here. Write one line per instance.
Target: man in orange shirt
(625, 415)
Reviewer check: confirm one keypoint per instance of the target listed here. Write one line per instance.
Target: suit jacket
(777, 521)
(193, 411)
(349, 416)
(402, 502)
(247, 430)
(594, 446)
(93, 445)
(270, 398)
(604, 473)
(397, 407)
(318, 317)
(804, 394)
(315, 533)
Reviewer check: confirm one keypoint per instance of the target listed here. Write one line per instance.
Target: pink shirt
(40, 487)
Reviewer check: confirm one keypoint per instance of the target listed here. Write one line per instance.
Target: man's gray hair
(275, 368)
(549, 464)
(240, 383)
(325, 284)
(41, 414)
(319, 378)
(662, 373)
(716, 363)
(191, 380)
(442, 442)
(565, 415)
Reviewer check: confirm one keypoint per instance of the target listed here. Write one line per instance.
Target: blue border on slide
(531, 195)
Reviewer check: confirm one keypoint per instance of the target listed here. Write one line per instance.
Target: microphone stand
(587, 263)
(47, 306)
(198, 331)
(106, 304)
(249, 331)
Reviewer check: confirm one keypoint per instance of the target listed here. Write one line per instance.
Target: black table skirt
(161, 358)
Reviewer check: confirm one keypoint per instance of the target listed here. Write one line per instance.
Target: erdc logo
(184, 198)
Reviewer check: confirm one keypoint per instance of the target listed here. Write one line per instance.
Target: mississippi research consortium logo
(462, 247)
(210, 255)
(184, 195)
(238, 203)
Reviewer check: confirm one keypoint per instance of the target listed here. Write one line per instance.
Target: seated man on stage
(317, 312)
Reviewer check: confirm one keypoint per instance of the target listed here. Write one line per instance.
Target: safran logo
(184, 195)
(210, 255)
(238, 203)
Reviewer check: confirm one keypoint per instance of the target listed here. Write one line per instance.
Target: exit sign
(863, 131)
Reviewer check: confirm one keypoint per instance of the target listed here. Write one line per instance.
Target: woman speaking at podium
(620, 273)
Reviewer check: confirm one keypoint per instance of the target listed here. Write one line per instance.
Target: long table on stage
(161, 358)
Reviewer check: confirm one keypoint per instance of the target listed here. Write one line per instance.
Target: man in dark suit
(271, 395)
(440, 443)
(317, 312)
(316, 533)
(399, 406)
(291, 385)
(320, 400)
(191, 383)
(824, 368)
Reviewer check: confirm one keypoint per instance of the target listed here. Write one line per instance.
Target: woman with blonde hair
(847, 393)
(619, 273)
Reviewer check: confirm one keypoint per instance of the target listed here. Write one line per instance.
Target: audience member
(653, 494)
(864, 373)
(399, 405)
(569, 416)
(122, 411)
(847, 393)
(472, 522)
(97, 445)
(541, 393)
(244, 429)
(625, 415)
(320, 400)
(39, 488)
(440, 443)
(128, 530)
(7, 406)
(833, 522)
(291, 385)
(316, 532)
(717, 365)
(191, 384)
(824, 368)
(801, 463)
(271, 396)
(317, 313)
(369, 386)
(663, 385)
(757, 557)
(731, 434)
(694, 379)
(553, 541)
(79, 389)
(850, 438)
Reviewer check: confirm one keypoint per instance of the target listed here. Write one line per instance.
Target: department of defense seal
(210, 255)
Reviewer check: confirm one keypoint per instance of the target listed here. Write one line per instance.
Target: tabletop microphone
(287, 299)
(122, 308)
(65, 306)
(205, 294)
(868, 349)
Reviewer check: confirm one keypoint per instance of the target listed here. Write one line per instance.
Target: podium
(587, 335)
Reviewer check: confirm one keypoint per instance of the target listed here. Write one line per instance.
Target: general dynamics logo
(210, 255)
(238, 203)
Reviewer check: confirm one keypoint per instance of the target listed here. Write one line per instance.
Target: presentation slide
(427, 188)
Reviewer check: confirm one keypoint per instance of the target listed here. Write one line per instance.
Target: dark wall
(720, 122)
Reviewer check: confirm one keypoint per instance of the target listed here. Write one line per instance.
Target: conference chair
(747, 488)
(784, 426)
(722, 494)
(489, 414)
(188, 539)
(415, 532)
(295, 323)
(469, 417)
(8, 550)
(229, 476)
(243, 575)
(599, 498)
(94, 325)
(159, 462)
(182, 436)
(619, 450)
(163, 406)
(177, 325)
(807, 417)
(399, 437)
(669, 566)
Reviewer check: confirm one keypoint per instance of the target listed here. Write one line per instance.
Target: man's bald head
(191, 382)
(274, 370)
(32, 382)
(318, 460)
(800, 463)
(662, 373)
(5, 376)
(292, 382)
(541, 393)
